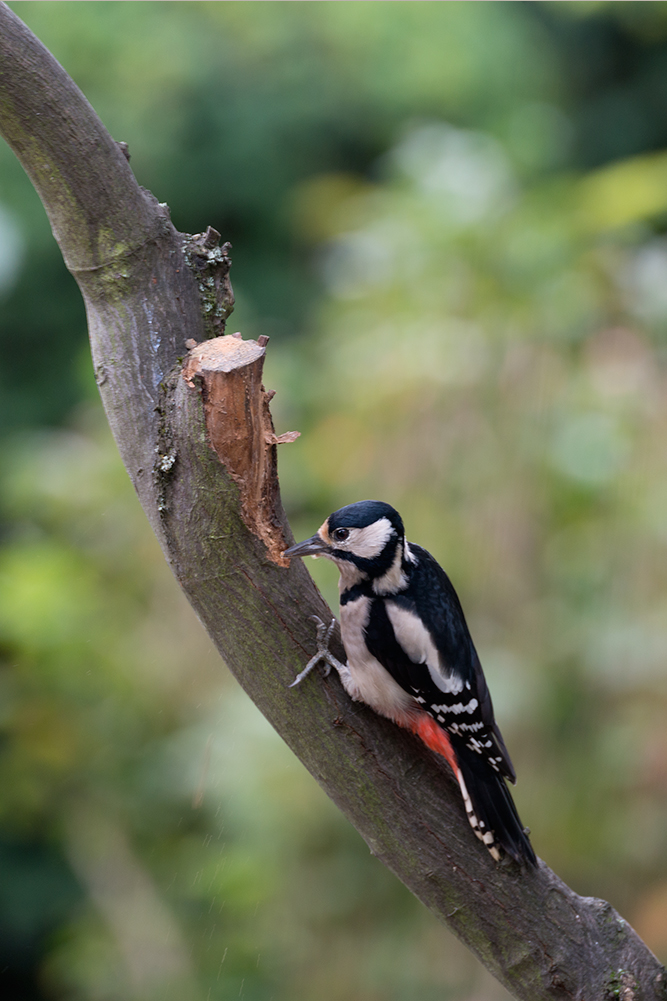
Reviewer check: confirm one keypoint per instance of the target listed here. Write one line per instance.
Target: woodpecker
(411, 658)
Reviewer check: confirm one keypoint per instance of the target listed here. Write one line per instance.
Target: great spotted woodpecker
(410, 657)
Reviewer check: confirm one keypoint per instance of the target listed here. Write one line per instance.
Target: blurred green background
(451, 218)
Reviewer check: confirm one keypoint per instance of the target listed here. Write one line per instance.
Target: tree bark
(192, 422)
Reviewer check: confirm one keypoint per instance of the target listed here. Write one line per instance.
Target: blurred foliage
(451, 219)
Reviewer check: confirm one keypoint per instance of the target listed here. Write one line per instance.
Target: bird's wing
(431, 655)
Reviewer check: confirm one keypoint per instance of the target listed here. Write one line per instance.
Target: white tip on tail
(486, 837)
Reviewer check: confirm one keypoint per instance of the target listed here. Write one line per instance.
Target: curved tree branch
(198, 443)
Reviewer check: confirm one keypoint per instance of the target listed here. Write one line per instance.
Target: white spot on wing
(416, 640)
(459, 707)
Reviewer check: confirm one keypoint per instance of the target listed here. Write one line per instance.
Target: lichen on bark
(210, 264)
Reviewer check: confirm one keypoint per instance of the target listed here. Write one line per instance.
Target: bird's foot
(323, 653)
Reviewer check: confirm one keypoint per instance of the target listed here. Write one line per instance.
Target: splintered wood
(228, 370)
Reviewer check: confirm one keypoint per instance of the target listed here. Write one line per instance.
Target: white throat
(349, 575)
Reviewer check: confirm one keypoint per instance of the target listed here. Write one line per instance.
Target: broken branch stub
(228, 371)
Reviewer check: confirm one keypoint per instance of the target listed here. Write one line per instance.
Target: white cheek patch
(370, 541)
(416, 640)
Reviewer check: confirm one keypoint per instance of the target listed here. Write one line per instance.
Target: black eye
(340, 534)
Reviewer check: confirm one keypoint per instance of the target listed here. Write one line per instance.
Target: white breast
(369, 681)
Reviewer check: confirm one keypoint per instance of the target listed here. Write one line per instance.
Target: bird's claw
(323, 640)
(323, 653)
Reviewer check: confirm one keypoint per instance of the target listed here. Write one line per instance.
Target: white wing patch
(416, 640)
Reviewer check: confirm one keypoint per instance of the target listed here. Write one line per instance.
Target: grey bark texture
(194, 430)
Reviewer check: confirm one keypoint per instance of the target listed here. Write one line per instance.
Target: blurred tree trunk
(191, 419)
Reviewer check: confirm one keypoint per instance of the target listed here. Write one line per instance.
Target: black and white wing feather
(432, 657)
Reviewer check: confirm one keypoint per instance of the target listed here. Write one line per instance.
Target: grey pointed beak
(310, 547)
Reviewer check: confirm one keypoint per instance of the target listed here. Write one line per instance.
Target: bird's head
(366, 540)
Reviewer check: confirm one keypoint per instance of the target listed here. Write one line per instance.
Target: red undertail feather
(435, 738)
(488, 803)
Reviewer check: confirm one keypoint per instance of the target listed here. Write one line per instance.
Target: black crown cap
(365, 513)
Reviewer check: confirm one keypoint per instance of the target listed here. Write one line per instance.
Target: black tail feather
(493, 810)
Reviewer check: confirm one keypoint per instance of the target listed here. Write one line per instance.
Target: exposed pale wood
(240, 430)
(210, 493)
